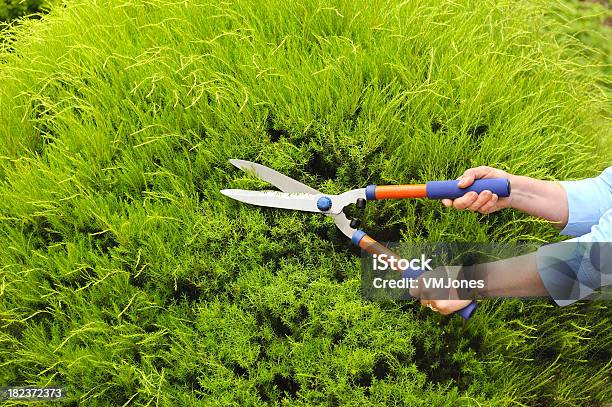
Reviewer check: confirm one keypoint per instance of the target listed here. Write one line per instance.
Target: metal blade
(344, 225)
(274, 199)
(280, 181)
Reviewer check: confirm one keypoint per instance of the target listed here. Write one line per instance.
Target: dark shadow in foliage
(476, 342)
(201, 133)
(478, 131)
(339, 275)
(280, 328)
(436, 126)
(320, 166)
(381, 369)
(150, 328)
(52, 283)
(301, 316)
(160, 363)
(119, 395)
(104, 242)
(357, 111)
(137, 279)
(261, 391)
(353, 212)
(182, 147)
(41, 234)
(274, 133)
(44, 135)
(136, 357)
(337, 336)
(192, 382)
(391, 233)
(445, 369)
(155, 159)
(469, 258)
(186, 289)
(332, 400)
(263, 346)
(12, 10)
(237, 369)
(364, 379)
(286, 385)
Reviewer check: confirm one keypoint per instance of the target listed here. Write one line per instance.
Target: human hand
(446, 307)
(444, 300)
(485, 202)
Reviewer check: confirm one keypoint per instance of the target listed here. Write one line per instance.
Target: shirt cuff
(583, 208)
(566, 271)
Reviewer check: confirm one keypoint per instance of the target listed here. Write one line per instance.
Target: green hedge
(128, 277)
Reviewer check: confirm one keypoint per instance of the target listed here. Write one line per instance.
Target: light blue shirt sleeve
(587, 201)
(575, 268)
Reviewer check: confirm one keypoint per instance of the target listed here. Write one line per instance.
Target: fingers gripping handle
(365, 242)
(451, 189)
(465, 312)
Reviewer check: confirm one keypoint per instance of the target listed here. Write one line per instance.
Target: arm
(500, 279)
(566, 271)
(575, 206)
(544, 199)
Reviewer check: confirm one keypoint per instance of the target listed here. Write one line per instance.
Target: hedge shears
(298, 196)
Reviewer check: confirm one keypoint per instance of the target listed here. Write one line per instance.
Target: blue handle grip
(451, 190)
(466, 312)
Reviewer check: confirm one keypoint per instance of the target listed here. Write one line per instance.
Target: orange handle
(400, 191)
(373, 247)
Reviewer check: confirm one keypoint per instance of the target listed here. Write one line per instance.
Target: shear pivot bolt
(324, 203)
(361, 203)
(354, 223)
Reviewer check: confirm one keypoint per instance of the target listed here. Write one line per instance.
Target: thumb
(472, 174)
(466, 179)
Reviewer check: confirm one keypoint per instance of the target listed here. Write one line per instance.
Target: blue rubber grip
(357, 236)
(412, 273)
(371, 192)
(466, 313)
(451, 190)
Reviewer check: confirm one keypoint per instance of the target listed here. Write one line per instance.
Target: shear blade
(273, 199)
(280, 181)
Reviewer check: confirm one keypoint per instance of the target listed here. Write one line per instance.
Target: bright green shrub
(127, 277)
